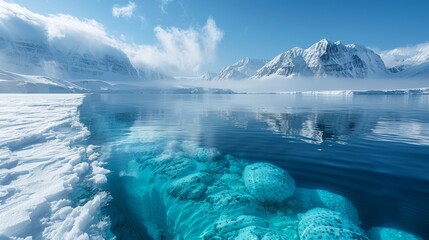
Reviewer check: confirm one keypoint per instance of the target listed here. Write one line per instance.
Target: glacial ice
(43, 165)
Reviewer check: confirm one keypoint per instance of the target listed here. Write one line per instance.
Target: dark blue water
(374, 150)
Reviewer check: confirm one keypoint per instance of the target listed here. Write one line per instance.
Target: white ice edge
(403, 91)
(42, 164)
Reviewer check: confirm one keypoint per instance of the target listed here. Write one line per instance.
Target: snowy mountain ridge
(326, 59)
(208, 76)
(35, 57)
(333, 59)
(242, 69)
(408, 61)
(406, 56)
(322, 59)
(31, 44)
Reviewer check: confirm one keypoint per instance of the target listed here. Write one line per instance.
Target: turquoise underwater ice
(184, 191)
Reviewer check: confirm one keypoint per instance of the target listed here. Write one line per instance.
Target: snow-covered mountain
(31, 45)
(20, 83)
(406, 56)
(208, 76)
(413, 71)
(408, 61)
(33, 57)
(326, 59)
(30, 56)
(333, 59)
(242, 69)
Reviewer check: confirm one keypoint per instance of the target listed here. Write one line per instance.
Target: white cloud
(176, 51)
(124, 11)
(212, 35)
(411, 55)
(164, 4)
(19, 22)
(179, 50)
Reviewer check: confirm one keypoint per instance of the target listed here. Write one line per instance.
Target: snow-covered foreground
(44, 169)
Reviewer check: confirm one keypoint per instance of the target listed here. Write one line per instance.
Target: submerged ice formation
(49, 182)
(268, 183)
(198, 193)
(320, 223)
(380, 233)
(307, 199)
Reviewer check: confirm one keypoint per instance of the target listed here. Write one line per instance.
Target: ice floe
(43, 165)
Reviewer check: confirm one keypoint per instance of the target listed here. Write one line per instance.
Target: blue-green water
(374, 150)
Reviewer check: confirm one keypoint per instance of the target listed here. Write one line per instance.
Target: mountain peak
(241, 69)
(242, 61)
(323, 45)
(208, 76)
(326, 58)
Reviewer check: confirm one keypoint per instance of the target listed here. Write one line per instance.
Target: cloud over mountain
(406, 56)
(175, 51)
(179, 50)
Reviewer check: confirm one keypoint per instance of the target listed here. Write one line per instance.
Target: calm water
(372, 149)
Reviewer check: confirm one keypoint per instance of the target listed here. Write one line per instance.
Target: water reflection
(411, 132)
(315, 128)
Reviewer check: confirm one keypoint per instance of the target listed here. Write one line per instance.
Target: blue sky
(258, 29)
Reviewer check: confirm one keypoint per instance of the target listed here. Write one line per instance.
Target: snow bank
(43, 167)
